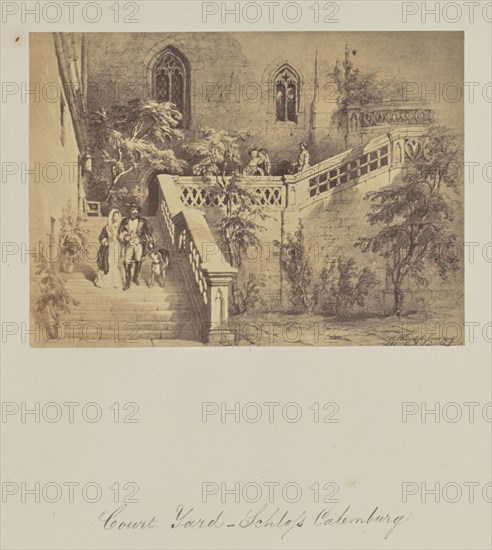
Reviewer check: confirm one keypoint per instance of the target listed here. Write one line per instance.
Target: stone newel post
(219, 278)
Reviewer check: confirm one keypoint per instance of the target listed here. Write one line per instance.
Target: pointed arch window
(287, 93)
(172, 81)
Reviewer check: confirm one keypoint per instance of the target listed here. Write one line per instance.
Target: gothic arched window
(287, 93)
(172, 81)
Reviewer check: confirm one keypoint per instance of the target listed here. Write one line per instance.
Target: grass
(438, 328)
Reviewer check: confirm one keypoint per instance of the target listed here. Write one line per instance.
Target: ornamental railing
(266, 191)
(354, 166)
(369, 119)
(394, 117)
(206, 273)
(349, 171)
(378, 158)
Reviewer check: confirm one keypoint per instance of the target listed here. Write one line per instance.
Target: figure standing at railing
(303, 161)
(253, 168)
(265, 163)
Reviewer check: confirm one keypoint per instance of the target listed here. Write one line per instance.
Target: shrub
(298, 271)
(249, 293)
(346, 286)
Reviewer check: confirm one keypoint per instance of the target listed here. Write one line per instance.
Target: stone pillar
(397, 156)
(295, 195)
(290, 191)
(354, 134)
(218, 278)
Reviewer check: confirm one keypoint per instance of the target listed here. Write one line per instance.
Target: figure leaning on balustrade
(264, 162)
(253, 168)
(303, 161)
(136, 235)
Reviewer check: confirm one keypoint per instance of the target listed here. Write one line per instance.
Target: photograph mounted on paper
(240, 189)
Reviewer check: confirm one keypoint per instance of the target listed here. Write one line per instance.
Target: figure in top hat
(136, 235)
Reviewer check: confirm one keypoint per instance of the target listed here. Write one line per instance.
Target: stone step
(169, 281)
(143, 291)
(134, 306)
(132, 295)
(140, 314)
(89, 276)
(88, 272)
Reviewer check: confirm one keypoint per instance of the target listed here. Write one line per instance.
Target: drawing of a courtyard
(269, 189)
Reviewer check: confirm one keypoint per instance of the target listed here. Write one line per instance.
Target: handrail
(207, 280)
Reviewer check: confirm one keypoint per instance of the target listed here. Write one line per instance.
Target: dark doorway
(153, 197)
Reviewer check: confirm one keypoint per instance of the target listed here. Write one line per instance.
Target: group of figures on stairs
(124, 245)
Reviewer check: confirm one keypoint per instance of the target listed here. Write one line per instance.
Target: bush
(295, 262)
(346, 287)
(248, 293)
(54, 298)
(74, 235)
(97, 189)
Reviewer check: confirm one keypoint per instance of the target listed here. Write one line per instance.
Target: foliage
(129, 135)
(356, 87)
(346, 286)
(54, 298)
(217, 154)
(239, 231)
(97, 189)
(217, 157)
(125, 196)
(73, 235)
(249, 293)
(414, 218)
(299, 272)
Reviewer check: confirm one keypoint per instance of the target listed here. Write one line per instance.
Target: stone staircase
(139, 316)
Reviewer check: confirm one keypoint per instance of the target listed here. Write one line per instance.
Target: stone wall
(231, 78)
(54, 151)
(231, 83)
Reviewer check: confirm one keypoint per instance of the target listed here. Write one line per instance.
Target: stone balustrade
(370, 119)
(206, 272)
(356, 165)
(268, 191)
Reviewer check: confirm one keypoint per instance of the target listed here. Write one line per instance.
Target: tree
(217, 157)
(249, 294)
(296, 264)
(357, 88)
(346, 285)
(127, 136)
(415, 217)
